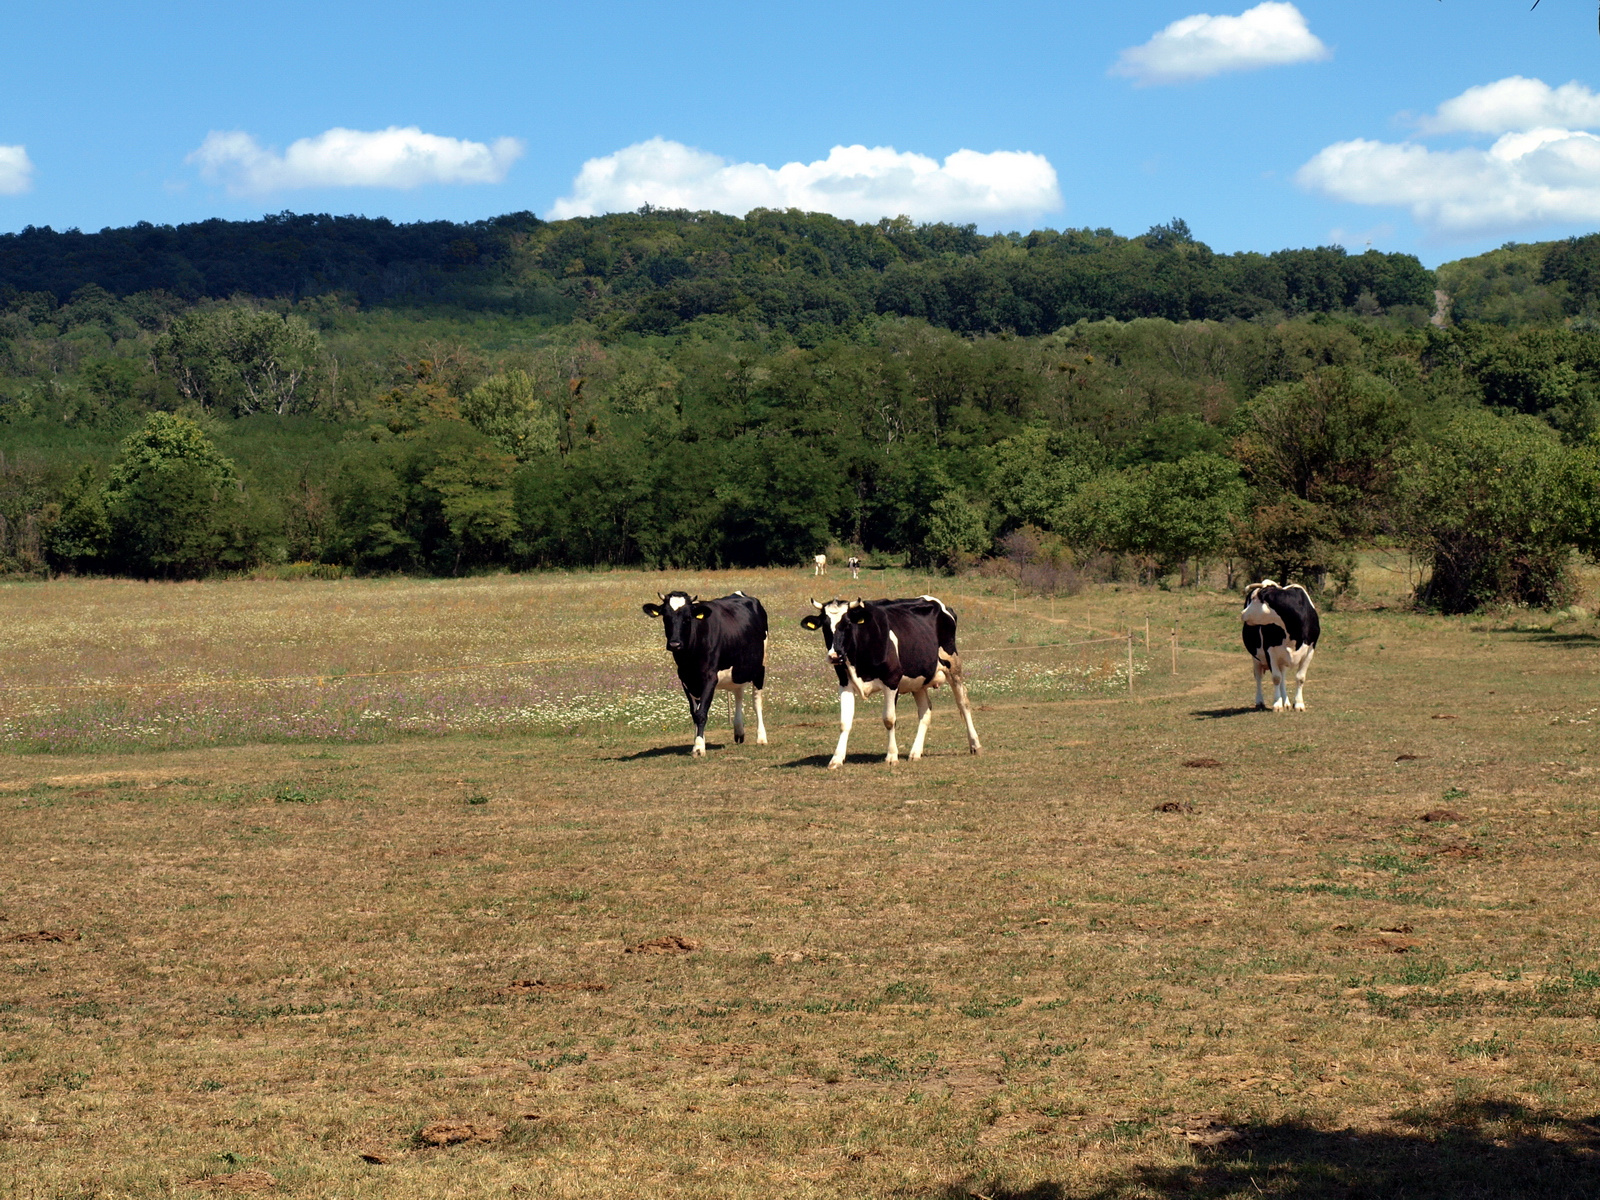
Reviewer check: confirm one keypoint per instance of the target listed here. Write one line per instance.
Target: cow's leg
(1261, 701)
(738, 714)
(847, 718)
(958, 689)
(1300, 679)
(924, 718)
(890, 698)
(1280, 680)
(761, 725)
(701, 711)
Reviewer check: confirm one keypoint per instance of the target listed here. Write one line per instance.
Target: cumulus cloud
(16, 170)
(1543, 168)
(1516, 103)
(1269, 35)
(388, 158)
(854, 182)
(1529, 178)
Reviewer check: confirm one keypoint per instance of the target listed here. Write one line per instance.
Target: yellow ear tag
(699, 616)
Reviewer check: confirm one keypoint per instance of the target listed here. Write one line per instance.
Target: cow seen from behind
(719, 643)
(892, 647)
(1281, 630)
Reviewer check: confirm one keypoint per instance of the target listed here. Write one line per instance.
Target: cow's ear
(651, 610)
(858, 615)
(811, 623)
(699, 610)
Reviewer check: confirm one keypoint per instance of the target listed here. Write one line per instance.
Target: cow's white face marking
(1259, 612)
(676, 602)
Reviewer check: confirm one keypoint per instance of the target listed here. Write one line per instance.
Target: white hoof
(762, 740)
(1300, 707)
(833, 763)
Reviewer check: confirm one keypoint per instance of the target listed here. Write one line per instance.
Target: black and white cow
(719, 643)
(854, 564)
(1281, 629)
(892, 646)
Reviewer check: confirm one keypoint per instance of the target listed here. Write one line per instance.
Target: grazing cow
(819, 565)
(892, 646)
(718, 643)
(1281, 629)
(855, 567)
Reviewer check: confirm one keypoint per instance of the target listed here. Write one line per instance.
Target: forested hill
(649, 272)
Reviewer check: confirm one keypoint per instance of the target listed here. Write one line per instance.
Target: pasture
(308, 894)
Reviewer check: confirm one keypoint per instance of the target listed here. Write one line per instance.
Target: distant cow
(819, 565)
(892, 646)
(719, 643)
(855, 567)
(1281, 629)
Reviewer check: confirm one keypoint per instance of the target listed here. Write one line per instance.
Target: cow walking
(819, 565)
(892, 646)
(855, 567)
(1281, 629)
(719, 643)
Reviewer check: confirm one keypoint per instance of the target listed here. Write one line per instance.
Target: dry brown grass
(1003, 976)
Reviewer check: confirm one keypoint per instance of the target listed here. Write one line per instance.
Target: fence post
(1174, 647)
(1130, 662)
(1147, 631)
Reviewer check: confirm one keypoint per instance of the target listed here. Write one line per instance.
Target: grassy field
(307, 891)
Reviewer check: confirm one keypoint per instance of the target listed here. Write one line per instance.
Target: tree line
(651, 272)
(149, 435)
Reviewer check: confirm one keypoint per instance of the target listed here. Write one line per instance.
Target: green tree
(241, 360)
(176, 506)
(1495, 504)
(436, 498)
(958, 530)
(1033, 474)
(509, 412)
(80, 536)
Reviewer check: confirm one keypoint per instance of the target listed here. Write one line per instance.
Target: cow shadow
(1217, 714)
(1549, 638)
(822, 760)
(1477, 1148)
(666, 752)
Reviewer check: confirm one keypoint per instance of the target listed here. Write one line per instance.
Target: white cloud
(1543, 168)
(1516, 103)
(1269, 35)
(16, 170)
(389, 158)
(853, 182)
(1530, 178)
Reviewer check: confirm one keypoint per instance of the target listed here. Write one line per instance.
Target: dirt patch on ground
(1441, 814)
(47, 935)
(1202, 763)
(1174, 806)
(672, 944)
(456, 1133)
(254, 1180)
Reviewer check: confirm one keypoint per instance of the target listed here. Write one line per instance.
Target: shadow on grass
(665, 752)
(1549, 638)
(822, 760)
(1478, 1149)
(1216, 714)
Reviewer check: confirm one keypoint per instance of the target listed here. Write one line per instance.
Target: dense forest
(311, 394)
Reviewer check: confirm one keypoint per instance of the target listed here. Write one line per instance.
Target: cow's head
(681, 614)
(838, 621)
(1257, 603)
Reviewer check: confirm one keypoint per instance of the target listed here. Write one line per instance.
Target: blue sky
(169, 112)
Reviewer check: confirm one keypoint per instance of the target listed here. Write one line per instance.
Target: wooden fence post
(1130, 662)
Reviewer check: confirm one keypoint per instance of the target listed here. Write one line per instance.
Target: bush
(1495, 503)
